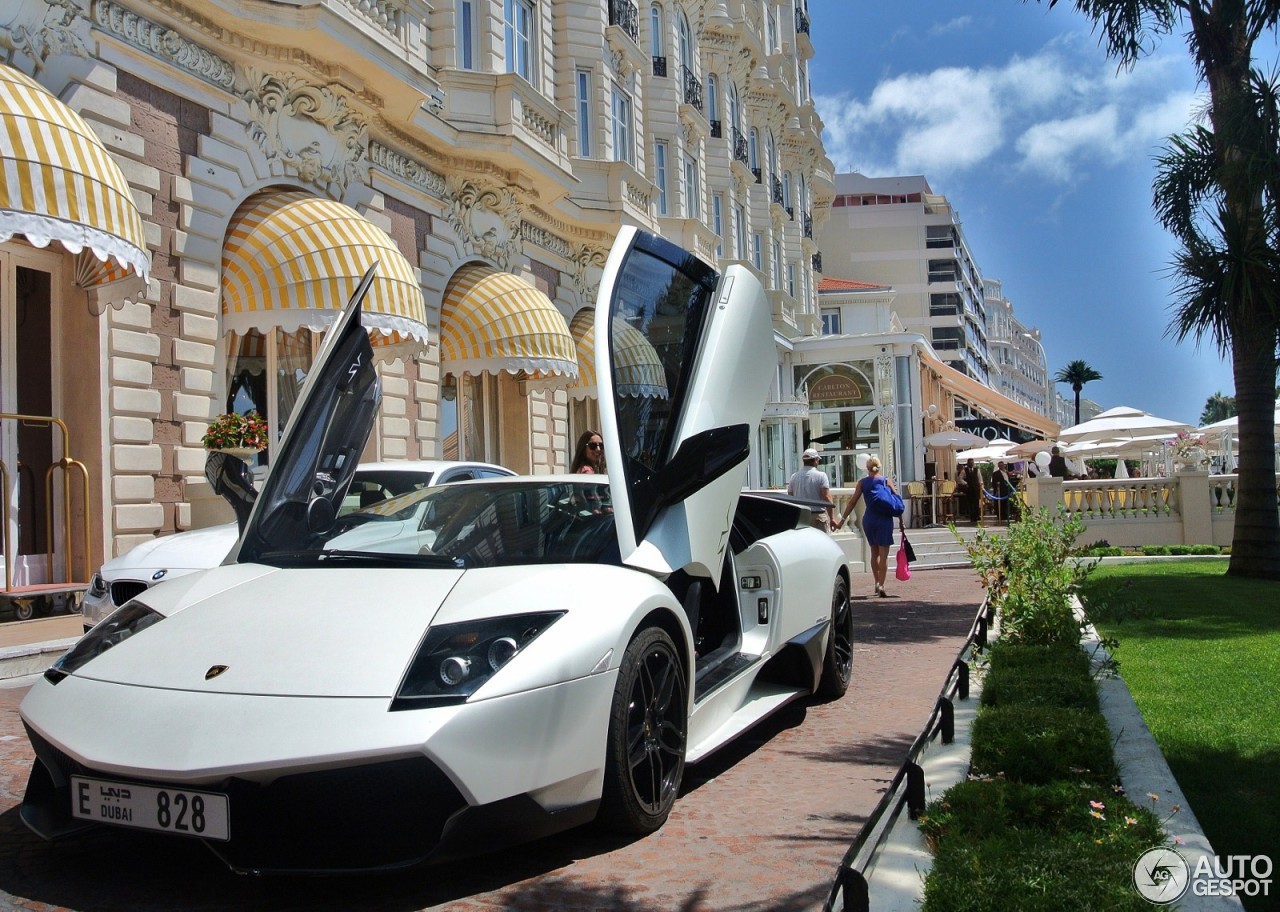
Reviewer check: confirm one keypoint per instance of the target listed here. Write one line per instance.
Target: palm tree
(1077, 373)
(1217, 191)
(1218, 408)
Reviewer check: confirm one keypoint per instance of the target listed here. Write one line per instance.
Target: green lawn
(1200, 652)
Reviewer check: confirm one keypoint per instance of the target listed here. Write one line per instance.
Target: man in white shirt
(811, 483)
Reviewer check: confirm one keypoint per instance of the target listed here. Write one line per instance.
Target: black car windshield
(480, 524)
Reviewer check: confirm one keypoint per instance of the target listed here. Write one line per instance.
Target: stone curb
(32, 658)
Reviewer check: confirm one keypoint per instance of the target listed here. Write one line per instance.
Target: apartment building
(903, 357)
(263, 154)
(1019, 365)
(896, 231)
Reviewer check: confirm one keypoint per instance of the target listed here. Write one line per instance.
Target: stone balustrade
(1187, 508)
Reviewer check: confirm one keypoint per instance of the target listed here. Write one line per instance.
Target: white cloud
(1051, 147)
(1054, 114)
(958, 24)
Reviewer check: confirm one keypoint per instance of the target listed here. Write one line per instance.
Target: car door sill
(720, 672)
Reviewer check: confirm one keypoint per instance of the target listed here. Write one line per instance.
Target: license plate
(168, 810)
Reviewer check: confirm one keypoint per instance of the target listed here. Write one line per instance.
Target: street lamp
(1044, 359)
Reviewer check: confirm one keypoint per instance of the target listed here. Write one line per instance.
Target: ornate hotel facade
(485, 152)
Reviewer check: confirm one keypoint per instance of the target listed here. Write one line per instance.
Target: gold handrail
(66, 464)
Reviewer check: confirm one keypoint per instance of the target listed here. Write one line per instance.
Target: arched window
(655, 30)
(753, 149)
(686, 42)
(713, 98)
(773, 156)
(786, 190)
(735, 110)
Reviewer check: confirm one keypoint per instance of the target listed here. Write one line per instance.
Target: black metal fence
(850, 892)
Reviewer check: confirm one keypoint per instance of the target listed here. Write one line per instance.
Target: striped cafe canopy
(639, 369)
(493, 321)
(292, 260)
(60, 184)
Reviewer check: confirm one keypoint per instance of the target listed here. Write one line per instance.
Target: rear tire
(837, 661)
(648, 731)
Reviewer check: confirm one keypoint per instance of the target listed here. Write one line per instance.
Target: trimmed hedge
(1040, 824)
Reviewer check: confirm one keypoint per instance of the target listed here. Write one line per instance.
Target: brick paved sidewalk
(762, 825)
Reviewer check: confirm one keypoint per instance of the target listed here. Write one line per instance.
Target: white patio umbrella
(1030, 448)
(951, 439)
(996, 449)
(1232, 423)
(1121, 423)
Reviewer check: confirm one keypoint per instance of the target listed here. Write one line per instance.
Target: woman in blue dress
(877, 527)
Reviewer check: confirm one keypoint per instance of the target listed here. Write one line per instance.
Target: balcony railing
(659, 66)
(717, 131)
(808, 225)
(817, 262)
(776, 187)
(802, 22)
(739, 146)
(692, 87)
(626, 16)
(756, 173)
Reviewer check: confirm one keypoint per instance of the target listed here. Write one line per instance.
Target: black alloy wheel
(648, 732)
(837, 661)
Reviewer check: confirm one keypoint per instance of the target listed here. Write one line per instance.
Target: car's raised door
(684, 358)
(322, 441)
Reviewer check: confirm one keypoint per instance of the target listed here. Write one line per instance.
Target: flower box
(240, 435)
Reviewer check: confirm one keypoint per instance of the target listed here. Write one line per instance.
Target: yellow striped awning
(60, 184)
(292, 260)
(638, 366)
(583, 330)
(494, 321)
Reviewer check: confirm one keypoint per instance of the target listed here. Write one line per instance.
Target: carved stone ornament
(163, 43)
(487, 218)
(309, 129)
(40, 30)
(588, 270)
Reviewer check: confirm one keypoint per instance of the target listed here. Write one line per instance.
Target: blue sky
(1013, 112)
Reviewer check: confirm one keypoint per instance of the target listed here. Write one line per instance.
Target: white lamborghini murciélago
(521, 656)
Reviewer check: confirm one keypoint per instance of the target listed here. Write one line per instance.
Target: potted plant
(1188, 451)
(240, 435)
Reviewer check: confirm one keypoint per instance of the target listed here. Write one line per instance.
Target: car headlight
(455, 659)
(97, 586)
(114, 630)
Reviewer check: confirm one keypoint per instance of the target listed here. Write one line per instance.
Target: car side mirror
(232, 480)
(700, 460)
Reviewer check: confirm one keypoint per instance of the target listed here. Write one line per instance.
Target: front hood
(323, 632)
(193, 550)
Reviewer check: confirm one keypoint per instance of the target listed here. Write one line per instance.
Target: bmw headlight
(455, 659)
(114, 630)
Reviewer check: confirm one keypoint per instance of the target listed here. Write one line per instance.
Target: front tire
(837, 661)
(648, 731)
